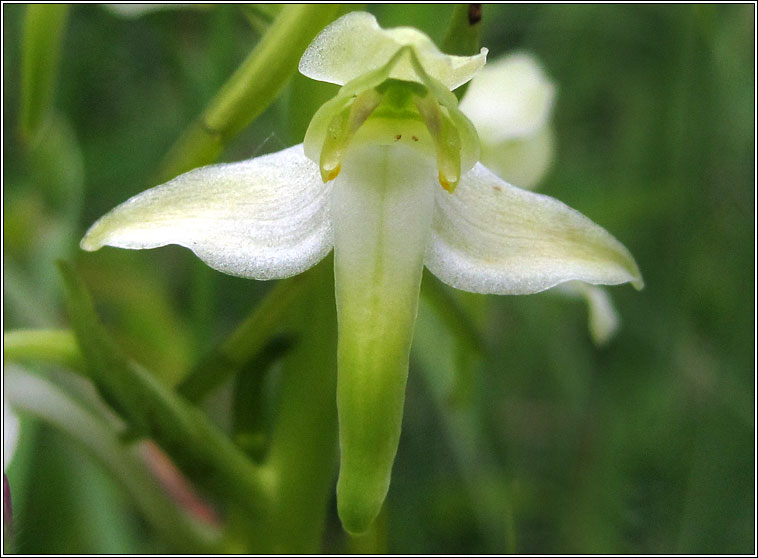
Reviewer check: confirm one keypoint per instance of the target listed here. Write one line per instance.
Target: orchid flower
(510, 102)
(388, 177)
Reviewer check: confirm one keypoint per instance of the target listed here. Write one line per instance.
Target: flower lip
(355, 44)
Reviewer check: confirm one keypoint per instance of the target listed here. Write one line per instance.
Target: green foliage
(151, 410)
(519, 434)
(43, 32)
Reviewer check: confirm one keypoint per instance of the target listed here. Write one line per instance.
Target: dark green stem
(303, 455)
(463, 35)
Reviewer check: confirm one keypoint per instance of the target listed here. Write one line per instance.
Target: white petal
(265, 218)
(383, 205)
(355, 44)
(491, 237)
(510, 98)
(523, 162)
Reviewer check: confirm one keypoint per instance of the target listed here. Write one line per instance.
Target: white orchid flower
(510, 102)
(388, 177)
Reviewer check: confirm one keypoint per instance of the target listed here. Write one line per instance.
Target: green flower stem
(44, 25)
(249, 427)
(452, 313)
(463, 35)
(247, 341)
(57, 346)
(250, 90)
(32, 394)
(260, 16)
(303, 454)
(458, 312)
(150, 409)
(434, 349)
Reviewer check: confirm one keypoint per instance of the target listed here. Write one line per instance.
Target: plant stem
(302, 456)
(452, 313)
(250, 90)
(463, 35)
(44, 25)
(150, 409)
(247, 341)
(56, 346)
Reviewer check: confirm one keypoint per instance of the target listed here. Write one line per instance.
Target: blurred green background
(541, 443)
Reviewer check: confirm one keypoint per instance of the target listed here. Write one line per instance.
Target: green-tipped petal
(491, 237)
(265, 218)
(510, 98)
(382, 209)
(355, 44)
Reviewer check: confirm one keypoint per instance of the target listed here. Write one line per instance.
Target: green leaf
(150, 409)
(260, 16)
(39, 397)
(43, 31)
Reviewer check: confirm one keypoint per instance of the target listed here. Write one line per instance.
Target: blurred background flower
(510, 101)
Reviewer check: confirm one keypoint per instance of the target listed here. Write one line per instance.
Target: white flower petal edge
(491, 237)
(264, 218)
(355, 45)
(521, 161)
(510, 98)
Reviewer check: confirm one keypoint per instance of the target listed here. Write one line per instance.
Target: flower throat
(422, 115)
